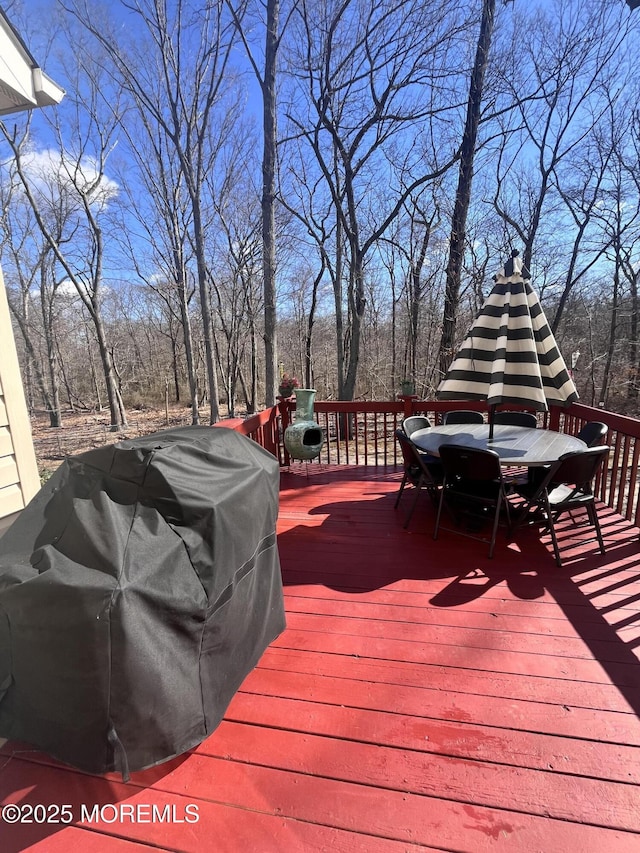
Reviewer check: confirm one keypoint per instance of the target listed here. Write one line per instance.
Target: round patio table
(515, 445)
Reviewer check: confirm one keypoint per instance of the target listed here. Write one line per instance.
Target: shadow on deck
(422, 697)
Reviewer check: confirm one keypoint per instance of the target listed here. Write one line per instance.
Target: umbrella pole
(492, 411)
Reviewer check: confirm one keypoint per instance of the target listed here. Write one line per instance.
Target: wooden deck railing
(362, 433)
(265, 427)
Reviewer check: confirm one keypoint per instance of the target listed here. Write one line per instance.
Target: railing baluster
(633, 512)
(614, 458)
(624, 467)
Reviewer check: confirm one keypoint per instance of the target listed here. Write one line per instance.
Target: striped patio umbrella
(510, 354)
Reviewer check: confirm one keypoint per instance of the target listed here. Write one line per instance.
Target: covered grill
(137, 590)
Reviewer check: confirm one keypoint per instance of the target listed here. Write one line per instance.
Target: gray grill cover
(137, 590)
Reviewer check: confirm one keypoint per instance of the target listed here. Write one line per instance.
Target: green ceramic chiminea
(303, 438)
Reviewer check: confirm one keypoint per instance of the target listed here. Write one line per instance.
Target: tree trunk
(65, 379)
(606, 378)
(192, 373)
(32, 359)
(174, 368)
(357, 306)
(632, 389)
(55, 417)
(308, 343)
(30, 355)
(569, 278)
(416, 302)
(337, 294)
(463, 191)
(116, 406)
(268, 201)
(253, 397)
(205, 308)
(94, 372)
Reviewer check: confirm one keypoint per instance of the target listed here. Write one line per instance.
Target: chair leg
(438, 514)
(415, 501)
(433, 493)
(552, 531)
(507, 506)
(502, 498)
(402, 485)
(593, 516)
(494, 529)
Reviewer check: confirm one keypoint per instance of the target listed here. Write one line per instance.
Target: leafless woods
(234, 188)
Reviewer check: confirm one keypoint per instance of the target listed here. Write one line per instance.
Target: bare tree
(315, 214)
(463, 190)
(164, 219)
(81, 194)
(423, 223)
(631, 265)
(235, 288)
(619, 218)
(268, 86)
(23, 256)
(565, 56)
(582, 196)
(175, 72)
(366, 72)
(266, 76)
(412, 255)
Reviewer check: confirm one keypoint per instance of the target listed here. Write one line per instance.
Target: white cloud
(52, 172)
(68, 288)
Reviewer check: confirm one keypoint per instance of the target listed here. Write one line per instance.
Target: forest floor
(82, 431)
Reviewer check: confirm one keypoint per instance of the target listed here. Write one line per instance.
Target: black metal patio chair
(415, 422)
(567, 485)
(463, 416)
(421, 470)
(473, 491)
(593, 433)
(523, 419)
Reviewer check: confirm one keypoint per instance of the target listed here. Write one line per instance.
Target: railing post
(285, 414)
(554, 418)
(270, 438)
(408, 401)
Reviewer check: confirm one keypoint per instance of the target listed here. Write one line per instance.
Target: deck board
(422, 697)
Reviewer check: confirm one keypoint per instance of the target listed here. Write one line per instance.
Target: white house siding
(19, 480)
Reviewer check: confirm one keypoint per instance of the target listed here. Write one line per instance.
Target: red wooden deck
(422, 697)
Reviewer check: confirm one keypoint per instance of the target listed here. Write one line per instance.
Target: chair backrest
(593, 432)
(463, 416)
(414, 458)
(414, 423)
(407, 448)
(524, 419)
(469, 463)
(578, 467)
